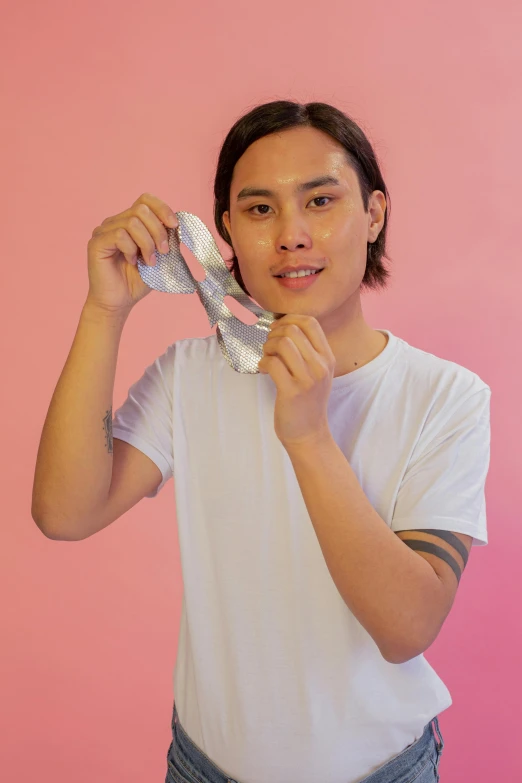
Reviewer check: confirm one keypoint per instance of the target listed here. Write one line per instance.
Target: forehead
(281, 160)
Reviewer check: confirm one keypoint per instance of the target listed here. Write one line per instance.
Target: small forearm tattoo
(438, 551)
(107, 426)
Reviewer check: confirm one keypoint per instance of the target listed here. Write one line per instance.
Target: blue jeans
(418, 763)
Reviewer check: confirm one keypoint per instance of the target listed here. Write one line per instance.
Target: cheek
(341, 228)
(261, 244)
(334, 239)
(343, 235)
(324, 234)
(334, 228)
(252, 247)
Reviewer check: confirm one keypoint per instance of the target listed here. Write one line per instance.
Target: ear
(226, 221)
(377, 211)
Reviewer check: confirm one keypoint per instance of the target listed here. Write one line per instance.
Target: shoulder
(441, 379)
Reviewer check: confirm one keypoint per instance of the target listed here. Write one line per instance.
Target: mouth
(298, 283)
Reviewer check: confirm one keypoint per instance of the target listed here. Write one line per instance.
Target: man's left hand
(301, 363)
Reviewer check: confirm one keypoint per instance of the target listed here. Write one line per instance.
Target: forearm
(392, 591)
(74, 463)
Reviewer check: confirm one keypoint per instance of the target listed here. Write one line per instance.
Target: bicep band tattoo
(438, 551)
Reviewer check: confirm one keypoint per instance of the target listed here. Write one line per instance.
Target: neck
(354, 343)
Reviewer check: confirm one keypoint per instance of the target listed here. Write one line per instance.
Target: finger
(142, 238)
(290, 354)
(154, 224)
(316, 363)
(311, 328)
(162, 210)
(125, 244)
(279, 372)
(296, 334)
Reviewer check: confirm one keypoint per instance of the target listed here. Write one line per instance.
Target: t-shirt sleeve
(145, 418)
(444, 484)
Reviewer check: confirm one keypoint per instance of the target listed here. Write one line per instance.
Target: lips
(300, 269)
(299, 283)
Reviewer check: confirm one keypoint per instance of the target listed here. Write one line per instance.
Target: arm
(75, 458)
(399, 596)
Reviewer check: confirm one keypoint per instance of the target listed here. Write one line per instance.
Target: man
(326, 506)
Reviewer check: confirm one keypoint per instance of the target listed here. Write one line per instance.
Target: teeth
(301, 273)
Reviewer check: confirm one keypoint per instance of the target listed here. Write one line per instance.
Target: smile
(299, 283)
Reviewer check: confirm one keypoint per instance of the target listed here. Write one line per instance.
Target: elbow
(42, 525)
(46, 529)
(402, 652)
(417, 635)
(400, 656)
(48, 526)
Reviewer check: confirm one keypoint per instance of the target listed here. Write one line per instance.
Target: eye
(316, 198)
(256, 206)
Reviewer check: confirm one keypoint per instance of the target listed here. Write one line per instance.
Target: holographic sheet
(240, 343)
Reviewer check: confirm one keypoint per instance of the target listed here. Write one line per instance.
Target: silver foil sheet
(240, 343)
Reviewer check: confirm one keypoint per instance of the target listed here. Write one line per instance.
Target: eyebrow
(314, 183)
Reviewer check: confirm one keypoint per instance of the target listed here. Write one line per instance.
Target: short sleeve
(145, 418)
(444, 484)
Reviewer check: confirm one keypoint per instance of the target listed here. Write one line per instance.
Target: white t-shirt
(275, 679)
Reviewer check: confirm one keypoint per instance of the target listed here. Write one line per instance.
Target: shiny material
(240, 343)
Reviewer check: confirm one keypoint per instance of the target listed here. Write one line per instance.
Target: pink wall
(104, 101)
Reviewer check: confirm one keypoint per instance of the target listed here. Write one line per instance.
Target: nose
(291, 246)
(293, 237)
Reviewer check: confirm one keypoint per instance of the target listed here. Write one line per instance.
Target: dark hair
(277, 116)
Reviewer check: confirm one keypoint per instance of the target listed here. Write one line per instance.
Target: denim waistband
(189, 764)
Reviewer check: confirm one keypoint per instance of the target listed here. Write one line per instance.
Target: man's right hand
(115, 284)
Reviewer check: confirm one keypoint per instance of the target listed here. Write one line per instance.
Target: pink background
(103, 101)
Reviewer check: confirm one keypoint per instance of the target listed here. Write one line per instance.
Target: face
(323, 225)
